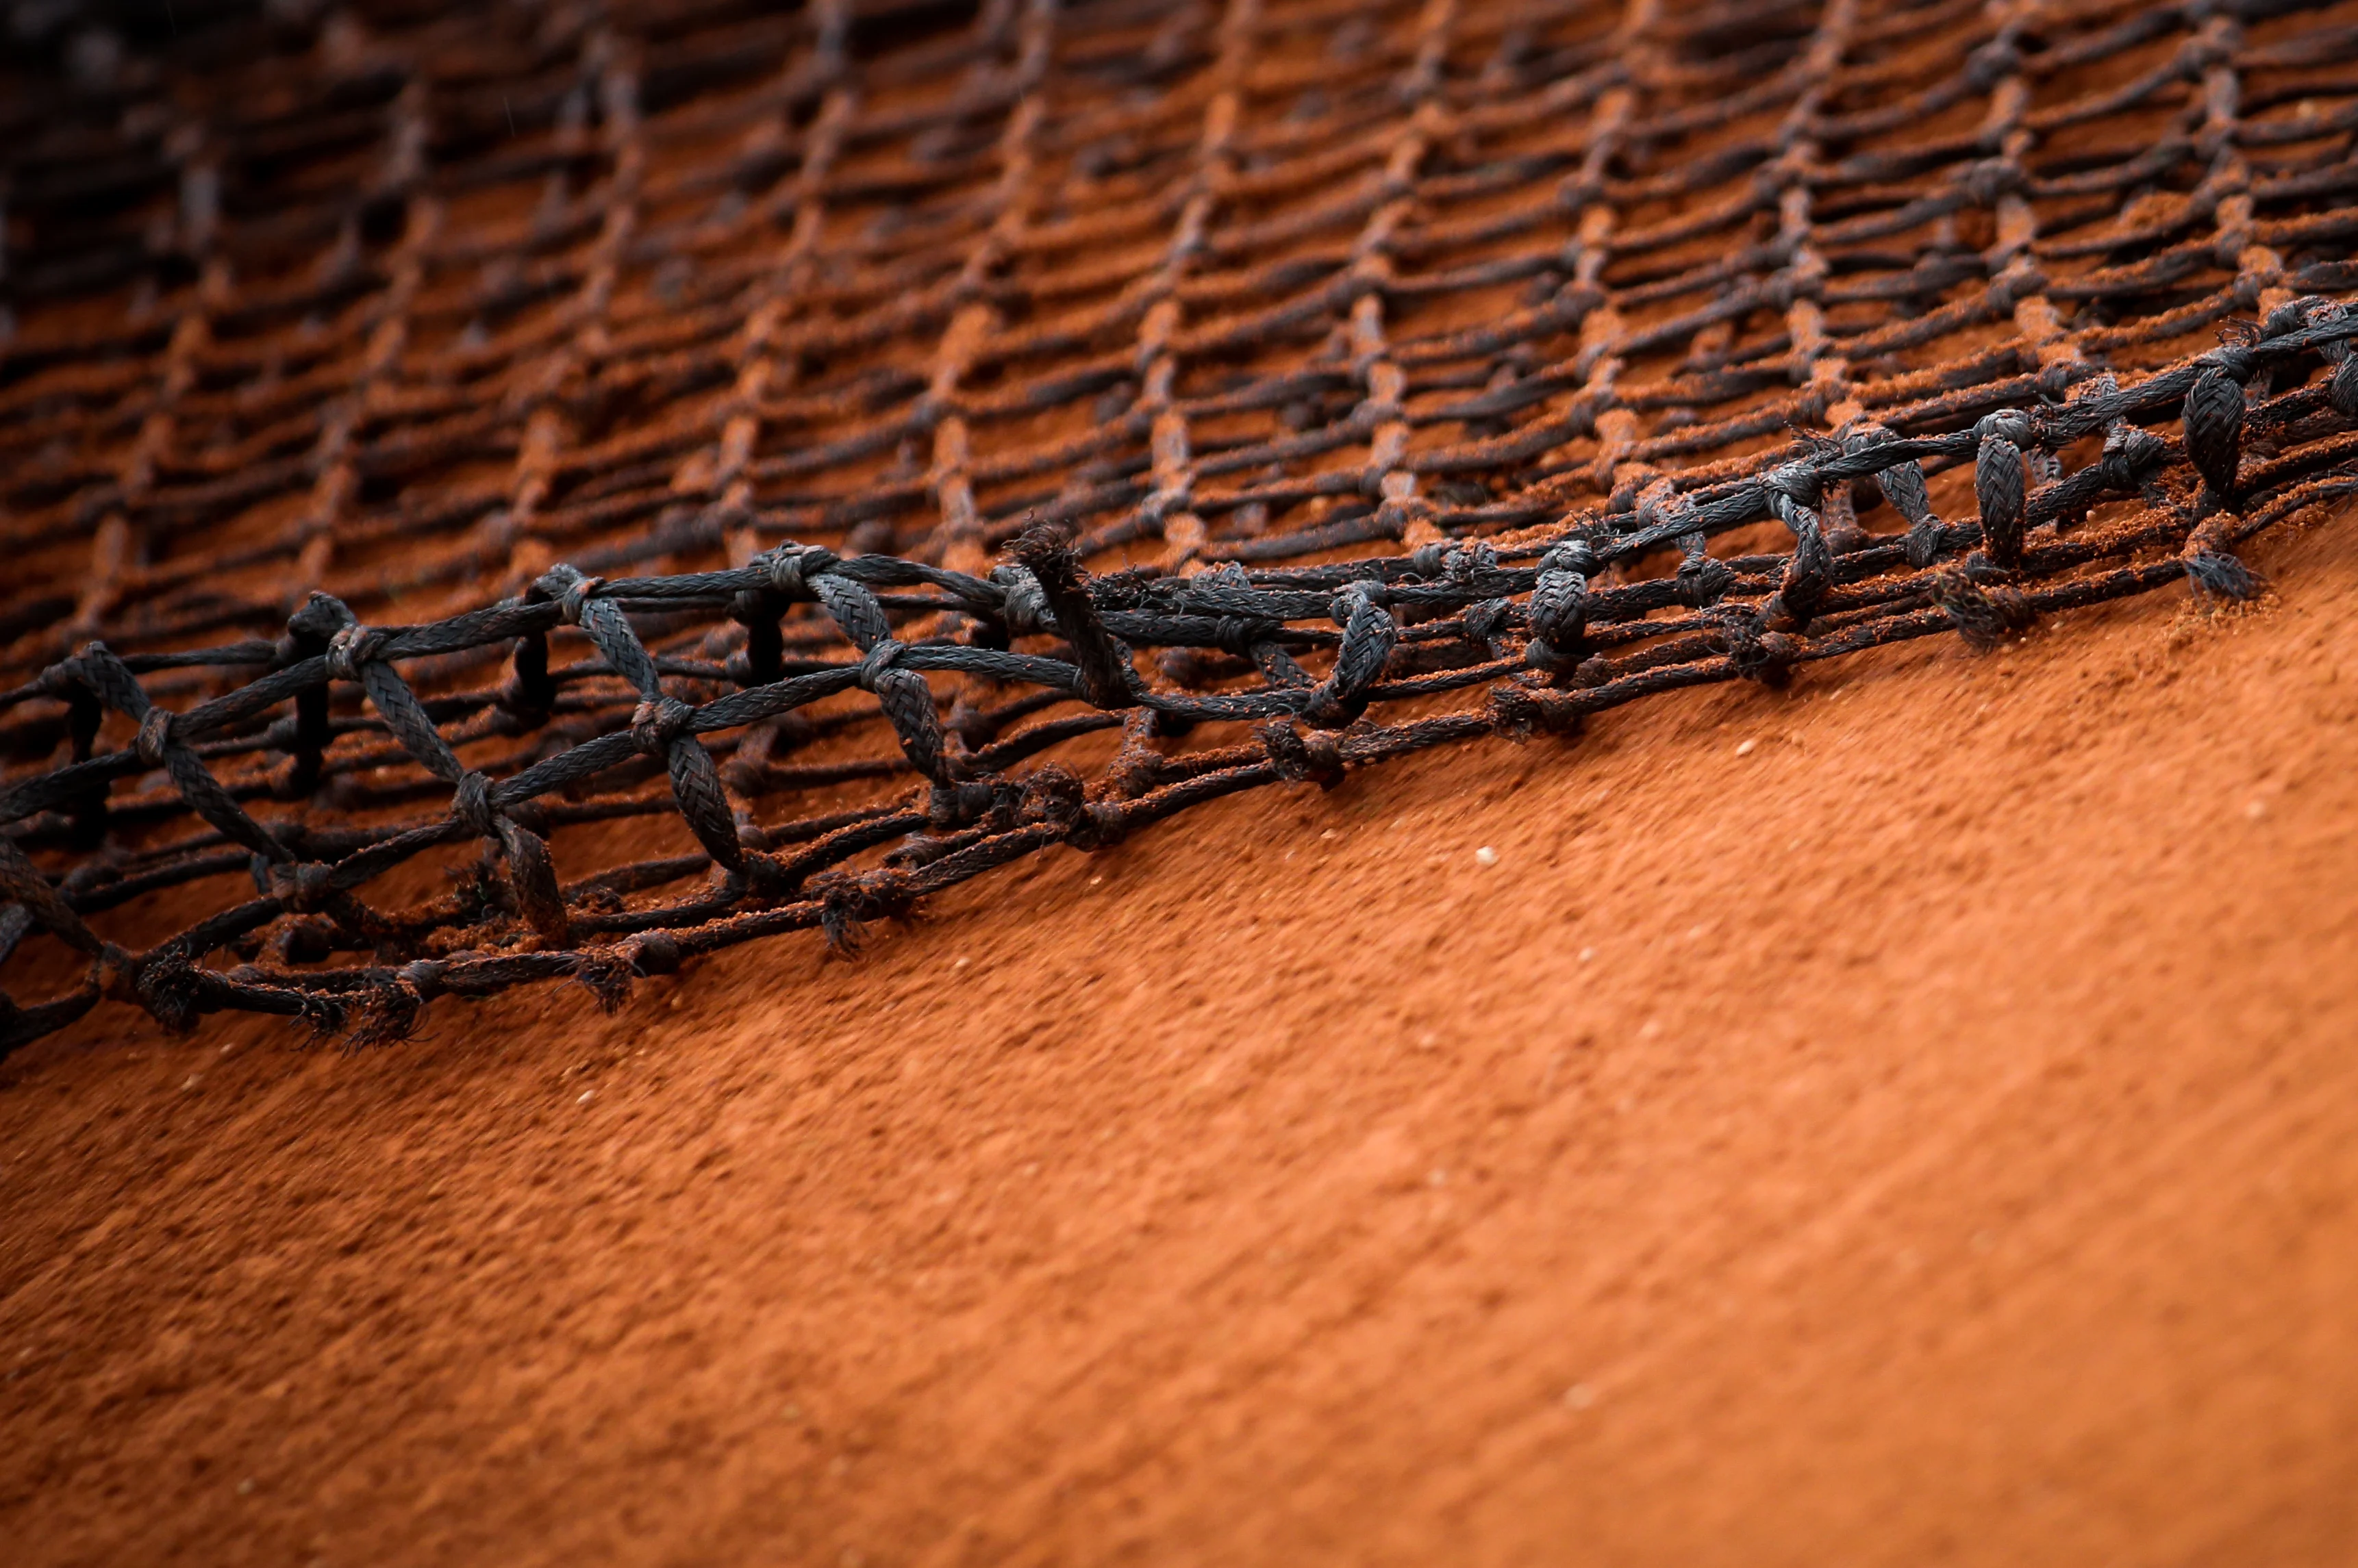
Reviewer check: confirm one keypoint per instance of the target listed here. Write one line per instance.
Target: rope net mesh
(881, 441)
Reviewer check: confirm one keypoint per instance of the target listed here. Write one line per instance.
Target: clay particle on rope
(1486, 856)
(1745, 748)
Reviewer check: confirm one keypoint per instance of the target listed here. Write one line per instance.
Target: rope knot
(1238, 634)
(2210, 564)
(792, 568)
(1098, 825)
(1353, 600)
(1796, 482)
(1991, 63)
(155, 734)
(2315, 312)
(1369, 635)
(322, 616)
(1703, 581)
(1572, 556)
(1024, 607)
(472, 805)
(1485, 619)
(1986, 181)
(1866, 435)
(352, 646)
(2341, 386)
(2002, 487)
(423, 976)
(654, 952)
(303, 888)
(2017, 425)
(2214, 427)
(1558, 611)
(171, 990)
(1466, 565)
(657, 721)
(1517, 714)
(1316, 758)
(2131, 456)
(1982, 619)
(1757, 655)
(396, 1002)
(2236, 362)
(571, 590)
(880, 661)
(1660, 503)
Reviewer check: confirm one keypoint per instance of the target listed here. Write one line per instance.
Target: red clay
(1926, 1137)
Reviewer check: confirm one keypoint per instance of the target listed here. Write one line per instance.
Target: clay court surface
(1909, 1116)
(1927, 1137)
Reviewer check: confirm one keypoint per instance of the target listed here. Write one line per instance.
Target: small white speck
(1486, 856)
(1328, 834)
(1579, 1397)
(1744, 748)
(1096, 882)
(1587, 955)
(959, 963)
(2257, 809)
(586, 1094)
(194, 1079)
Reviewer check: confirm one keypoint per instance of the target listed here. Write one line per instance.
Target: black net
(878, 442)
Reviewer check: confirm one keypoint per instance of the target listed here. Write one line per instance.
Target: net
(447, 451)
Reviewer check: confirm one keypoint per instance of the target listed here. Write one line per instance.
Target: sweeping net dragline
(434, 435)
